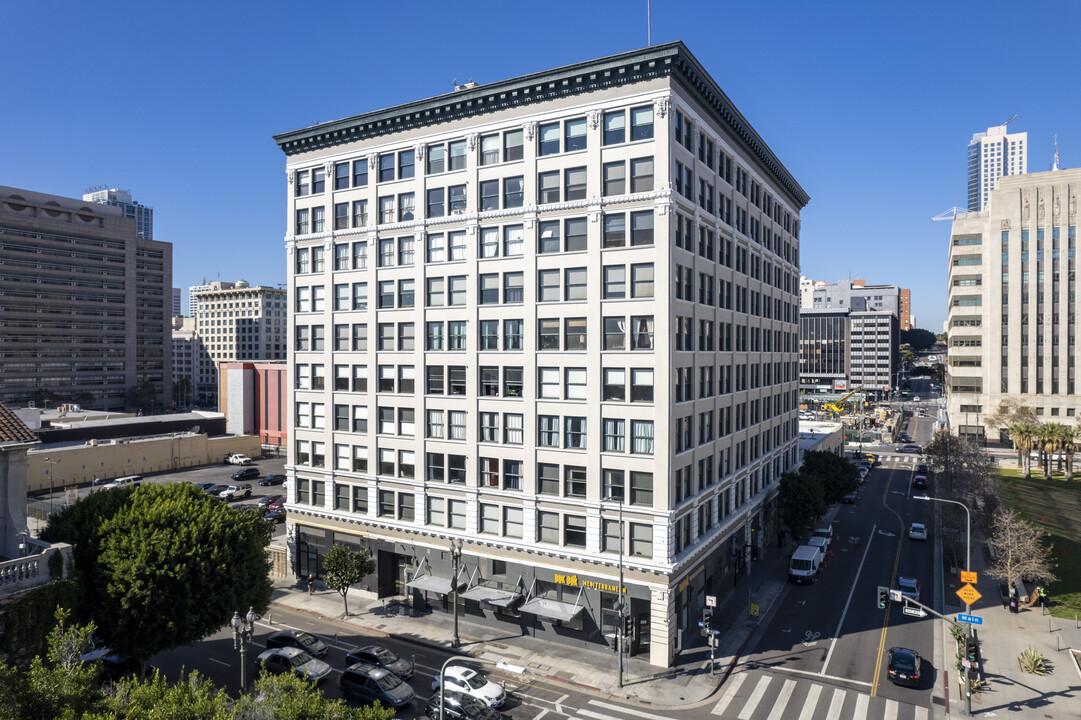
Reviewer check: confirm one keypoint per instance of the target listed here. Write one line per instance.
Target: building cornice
(671, 60)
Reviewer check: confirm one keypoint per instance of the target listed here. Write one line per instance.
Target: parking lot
(220, 474)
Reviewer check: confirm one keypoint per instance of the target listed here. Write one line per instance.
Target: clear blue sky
(869, 105)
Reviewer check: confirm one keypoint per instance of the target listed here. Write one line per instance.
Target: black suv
(363, 682)
(247, 473)
(272, 480)
(298, 639)
(381, 657)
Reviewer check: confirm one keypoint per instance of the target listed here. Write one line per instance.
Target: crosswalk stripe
(921, 714)
(836, 703)
(730, 691)
(860, 712)
(754, 699)
(782, 699)
(628, 711)
(810, 702)
(890, 713)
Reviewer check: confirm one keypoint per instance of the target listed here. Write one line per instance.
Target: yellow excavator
(839, 406)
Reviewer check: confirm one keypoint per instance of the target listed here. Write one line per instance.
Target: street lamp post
(243, 627)
(968, 568)
(463, 660)
(51, 483)
(456, 558)
(621, 606)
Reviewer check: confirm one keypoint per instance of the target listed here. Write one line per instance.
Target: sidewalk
(1003, 635)
(688, 683)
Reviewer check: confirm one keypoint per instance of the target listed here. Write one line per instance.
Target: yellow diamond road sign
(968, 594)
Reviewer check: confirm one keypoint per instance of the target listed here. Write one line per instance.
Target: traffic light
(883, 596)
(628, 626)
(972, 648)
(706, 623)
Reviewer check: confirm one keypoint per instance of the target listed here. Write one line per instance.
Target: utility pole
(624, 611)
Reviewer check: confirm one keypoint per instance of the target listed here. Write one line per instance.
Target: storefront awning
(431, 583)
(552, 609)
(492, 596)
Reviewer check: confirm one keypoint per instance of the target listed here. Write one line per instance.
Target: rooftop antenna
(649, 25)
(1055, 165)
(1009, 121)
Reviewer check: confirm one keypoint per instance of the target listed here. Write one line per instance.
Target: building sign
(687, 580)
(575, 581)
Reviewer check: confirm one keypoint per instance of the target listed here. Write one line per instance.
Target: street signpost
(711, 601)
(968, 576)
(969, 595)
(970, 619)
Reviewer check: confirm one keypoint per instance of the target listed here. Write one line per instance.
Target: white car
(469, 681)
(238, 459)
(918, 531)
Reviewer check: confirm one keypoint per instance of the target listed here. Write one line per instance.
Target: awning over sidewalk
(552, 609)
(431, 583)
(492, 596)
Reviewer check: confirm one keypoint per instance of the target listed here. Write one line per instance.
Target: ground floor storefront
(536, 595)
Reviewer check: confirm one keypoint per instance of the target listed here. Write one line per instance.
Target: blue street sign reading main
(970, 619)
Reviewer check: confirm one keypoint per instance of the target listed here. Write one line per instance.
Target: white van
(122, 482)
(805, 563)
(824, 531)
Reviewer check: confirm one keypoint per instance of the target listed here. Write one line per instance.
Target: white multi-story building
(1012, 323)
(185, 360)
(235, 321)
(992, 155)
(535, 318)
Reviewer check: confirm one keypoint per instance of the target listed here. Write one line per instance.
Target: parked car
(903, 666)
(295, 660)
(237, 459)
(268, 500)
(909, 587)
(459, 706)
(279, 503)
(381, 657)
(298, 639)
(275, 516)
(214, 490)
(247, 473)
(903, 437)
(115, 666)
(919, 482)
(909, 449)
(363, 682)
(849, 498)
(205, 487)
(917, 531)
(232, 492)
(272, 480)
(467, 680)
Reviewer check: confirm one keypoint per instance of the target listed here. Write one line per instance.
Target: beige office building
(234, 322)
(1012, 321)
(548, 305)
(84, 305)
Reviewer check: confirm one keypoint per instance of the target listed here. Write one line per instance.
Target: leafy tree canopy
(837, 475)
(344, 567)
(919, 339)
(171, 564)
(802, 502)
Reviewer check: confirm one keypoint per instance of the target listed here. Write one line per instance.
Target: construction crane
(838, 407)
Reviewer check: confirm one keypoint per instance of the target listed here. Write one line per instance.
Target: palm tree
(1069, 447)
(1045, 443)
(1023, 435)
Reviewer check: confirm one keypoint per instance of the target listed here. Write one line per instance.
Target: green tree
(1011, 410)
(919, 339)
(837, 476)
(172, 565)
(344, 567)
(192, 697)
(64, 687)
(287, 697)
(1024, 436)
(802, 502)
